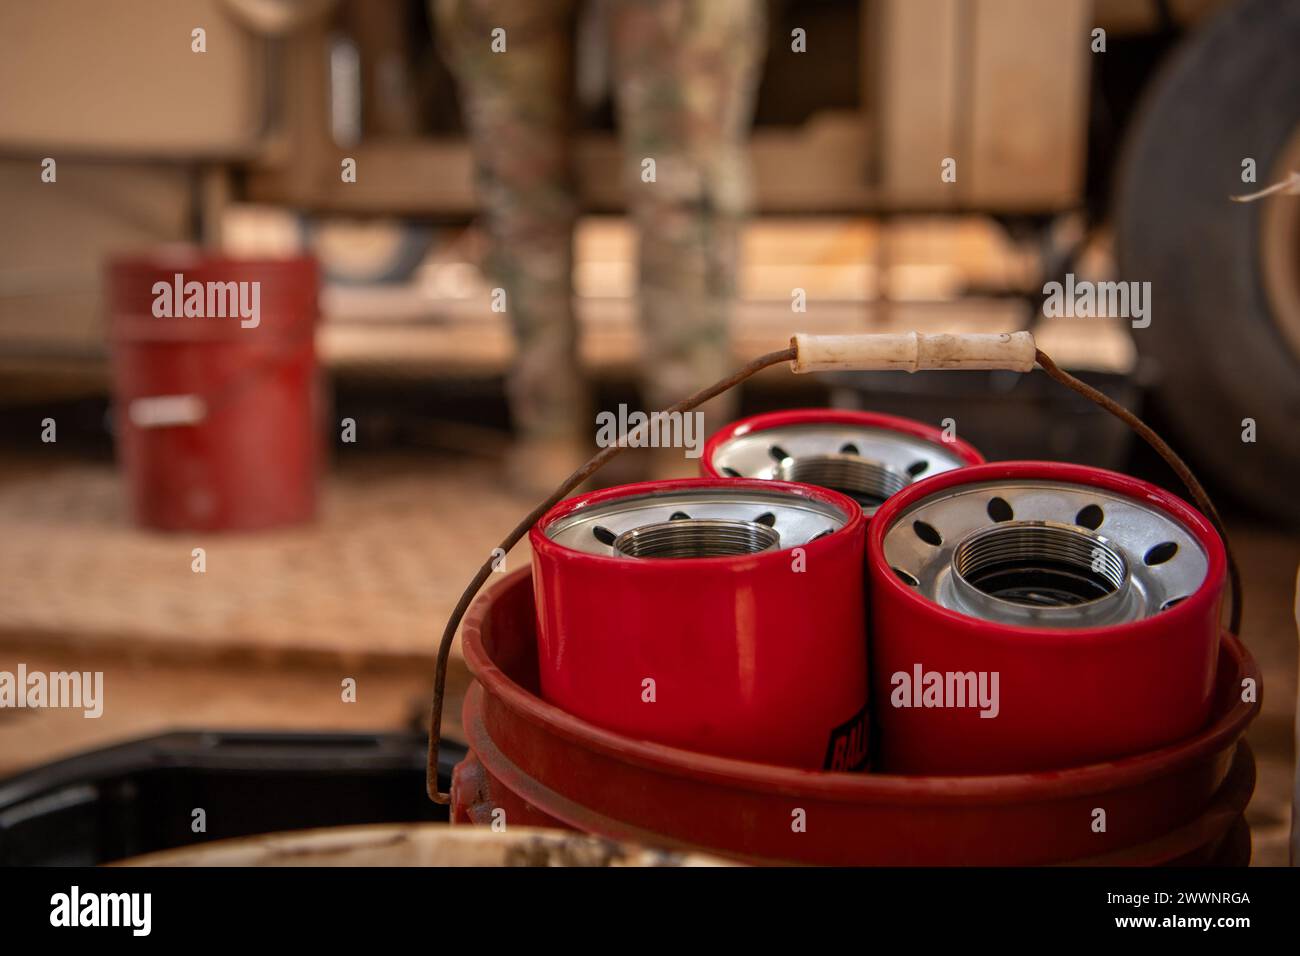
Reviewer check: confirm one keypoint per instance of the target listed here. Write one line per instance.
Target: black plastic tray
(139, 797)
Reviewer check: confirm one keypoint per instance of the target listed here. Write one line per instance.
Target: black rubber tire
(1231, 91)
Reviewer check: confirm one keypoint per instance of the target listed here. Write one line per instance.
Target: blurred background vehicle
(1106, 162)
(241, 147)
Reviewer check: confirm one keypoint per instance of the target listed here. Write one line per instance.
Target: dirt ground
(264, 638)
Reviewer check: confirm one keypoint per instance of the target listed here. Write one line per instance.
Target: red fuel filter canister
(1034, 615)
(865, 455)
(721, 616)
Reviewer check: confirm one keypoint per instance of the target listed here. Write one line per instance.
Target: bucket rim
(183, 257)
(1224, 728)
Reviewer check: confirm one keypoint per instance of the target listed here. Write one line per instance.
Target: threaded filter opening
(867, 482)
(1036, 564)
(696, 538)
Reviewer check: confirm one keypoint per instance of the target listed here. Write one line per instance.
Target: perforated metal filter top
(868, 464)
(700, 523)
(1045, 554)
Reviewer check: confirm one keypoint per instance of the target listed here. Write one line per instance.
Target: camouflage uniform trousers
(685, 74)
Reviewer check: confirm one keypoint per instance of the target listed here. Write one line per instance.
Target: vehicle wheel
(1225, 277)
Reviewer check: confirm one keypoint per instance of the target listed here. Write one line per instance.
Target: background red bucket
(216, 411)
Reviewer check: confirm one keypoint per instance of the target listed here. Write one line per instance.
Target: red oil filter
(1036, 615)
(864, 455)
(721, 616)
(215, 389)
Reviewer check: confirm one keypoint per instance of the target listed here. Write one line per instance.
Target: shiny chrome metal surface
(867, 464)
(1045, 554)
(707, 522)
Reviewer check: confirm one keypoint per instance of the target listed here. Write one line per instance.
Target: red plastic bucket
(1035, 615)
(217, 398)
(545, 766)
(717, 614)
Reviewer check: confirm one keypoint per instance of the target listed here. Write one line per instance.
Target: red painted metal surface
(1068, 696)
(814, 416)
(544, 765)
(245, 453)
(759, 656)
(1219, 836)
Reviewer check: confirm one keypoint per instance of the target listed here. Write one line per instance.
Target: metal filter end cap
(865, 462)
(1045, 554)
(706, 522)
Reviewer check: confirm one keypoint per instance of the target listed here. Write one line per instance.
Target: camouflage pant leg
(518, 108)
(686, 74)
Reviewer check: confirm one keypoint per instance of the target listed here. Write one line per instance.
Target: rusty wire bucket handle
(907, 352)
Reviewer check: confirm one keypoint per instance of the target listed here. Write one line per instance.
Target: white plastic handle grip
(912, 352)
